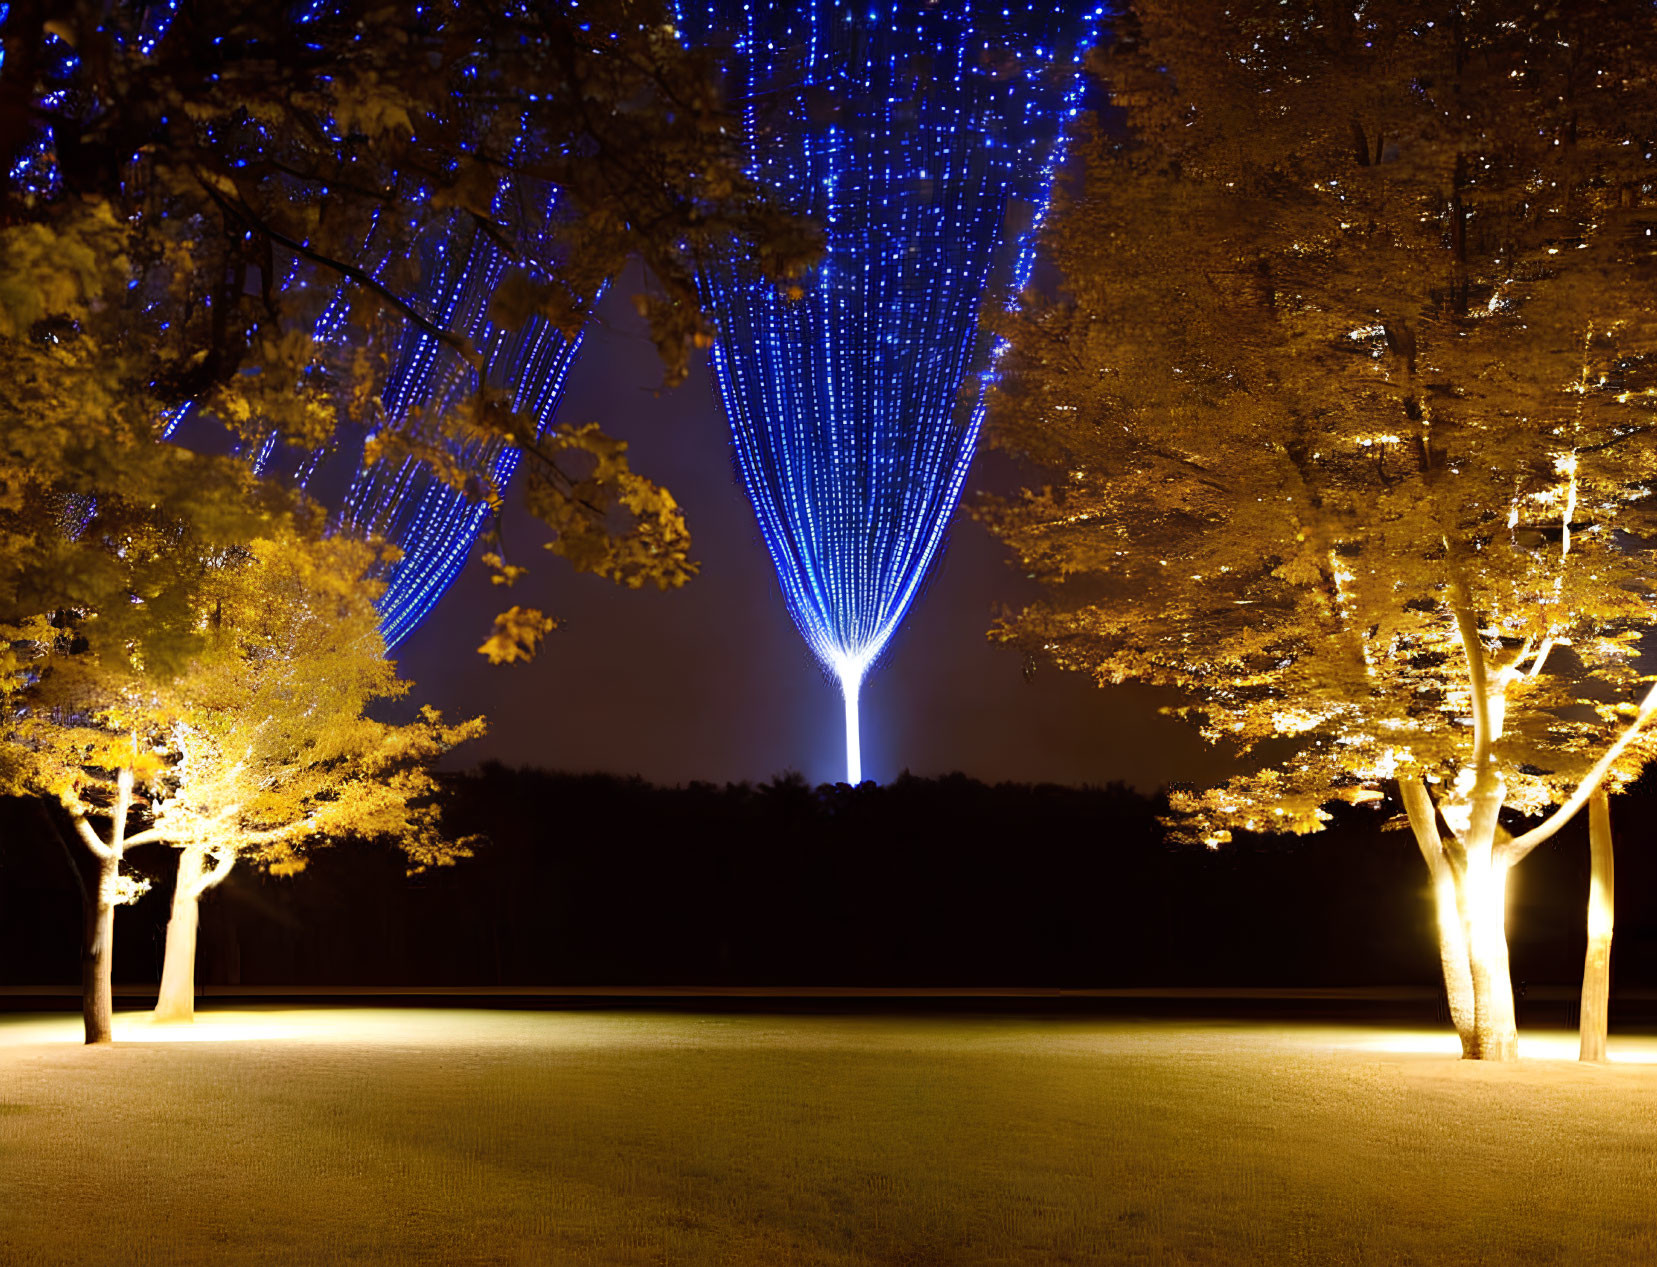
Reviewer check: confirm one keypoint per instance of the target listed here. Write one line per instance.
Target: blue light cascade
(428, 384)
(433, 524)
(923, 135)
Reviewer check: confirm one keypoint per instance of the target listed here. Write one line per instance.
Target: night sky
(712, 681)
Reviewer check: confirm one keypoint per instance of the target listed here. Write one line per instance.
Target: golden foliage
(261, 742)
(649, 544)
(1350, 398)
(518, 632)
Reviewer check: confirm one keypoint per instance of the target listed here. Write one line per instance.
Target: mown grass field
(447, 1136)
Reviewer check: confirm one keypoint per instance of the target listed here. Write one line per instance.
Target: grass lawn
(446, 1136)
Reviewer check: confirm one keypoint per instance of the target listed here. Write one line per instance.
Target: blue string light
(924, 137)
(914, 131)
(433, 524)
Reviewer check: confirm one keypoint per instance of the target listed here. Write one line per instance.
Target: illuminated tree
(268, 747)
(921, 137)
(252, 744)
(1348, 401)
(81, 711)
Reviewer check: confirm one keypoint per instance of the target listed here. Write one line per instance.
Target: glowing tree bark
(921, 136)
(1596, 968)
(176, 999)
(88, 760)
(99, 903)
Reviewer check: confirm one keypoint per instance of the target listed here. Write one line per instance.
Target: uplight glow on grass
(1639, 1050)
(454, 1136)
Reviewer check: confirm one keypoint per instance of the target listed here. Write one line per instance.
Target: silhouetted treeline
(593, 880)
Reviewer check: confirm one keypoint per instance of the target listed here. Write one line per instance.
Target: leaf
(518, 632)
(503, 573)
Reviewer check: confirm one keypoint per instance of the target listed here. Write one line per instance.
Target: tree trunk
(98, 955)
(98, 946)
(177, 1000)
(1596, 971)
(1452, 956)
(1495, 1034)
(1450, 903)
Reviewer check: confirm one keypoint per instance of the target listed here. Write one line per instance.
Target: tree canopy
(185, 191)
(270, 743)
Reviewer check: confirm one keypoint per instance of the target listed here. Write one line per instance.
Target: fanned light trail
(432, 523)
(923, 134)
